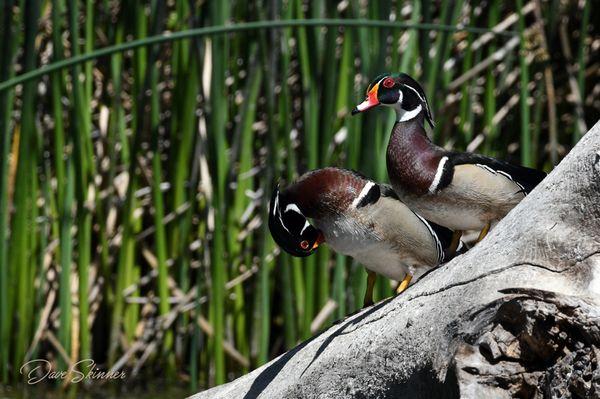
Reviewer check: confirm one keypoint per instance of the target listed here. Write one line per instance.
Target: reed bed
(134, 186)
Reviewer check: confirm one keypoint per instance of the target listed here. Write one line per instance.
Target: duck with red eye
(359, 218)
(291, 230)
(397, 92)
(462, 191)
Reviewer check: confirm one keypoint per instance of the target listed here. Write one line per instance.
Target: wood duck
(359, 218)
(462, 191)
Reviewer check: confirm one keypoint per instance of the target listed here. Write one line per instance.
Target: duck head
(401, 92)
(289, 227)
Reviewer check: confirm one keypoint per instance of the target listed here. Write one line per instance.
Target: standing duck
(359, 218)
(462, 191)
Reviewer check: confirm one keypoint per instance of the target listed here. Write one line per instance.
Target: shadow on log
(516, 316)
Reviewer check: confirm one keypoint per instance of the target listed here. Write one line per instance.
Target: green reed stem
(526, 157)
(64, 296)
(8, 22)
(23, 227)
(218, 30)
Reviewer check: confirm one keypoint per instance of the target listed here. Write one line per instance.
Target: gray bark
(516, 316)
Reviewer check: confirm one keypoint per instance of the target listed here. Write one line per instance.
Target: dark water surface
(154, 391)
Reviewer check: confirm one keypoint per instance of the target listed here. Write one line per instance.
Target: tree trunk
(518, 315)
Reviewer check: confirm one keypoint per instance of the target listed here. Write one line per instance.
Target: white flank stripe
(438, 244)
(513, 180)
(438, 174)
(486, 168)
(362, 194)
(509, 177)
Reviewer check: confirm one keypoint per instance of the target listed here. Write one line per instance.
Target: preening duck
(359, 218)
(462, 191)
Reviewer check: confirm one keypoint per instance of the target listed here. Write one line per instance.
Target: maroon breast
(412, 159)
(325, 191)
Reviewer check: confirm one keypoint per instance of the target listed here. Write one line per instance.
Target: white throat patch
(403, 115)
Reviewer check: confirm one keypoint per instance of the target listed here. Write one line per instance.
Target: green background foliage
(134, 185)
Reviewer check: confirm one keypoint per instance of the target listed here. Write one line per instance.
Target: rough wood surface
(516, 316)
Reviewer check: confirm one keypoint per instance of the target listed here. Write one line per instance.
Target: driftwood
(516, 316)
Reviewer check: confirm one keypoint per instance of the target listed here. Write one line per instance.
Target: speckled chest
(412, 159)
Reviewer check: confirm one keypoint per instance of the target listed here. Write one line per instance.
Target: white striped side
(438, 243)
(508, 176)
(438, 175)
(362, 194)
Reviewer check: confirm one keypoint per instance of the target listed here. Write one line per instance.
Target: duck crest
(412, 159)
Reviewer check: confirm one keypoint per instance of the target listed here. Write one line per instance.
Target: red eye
(304, 244)
(388, 83)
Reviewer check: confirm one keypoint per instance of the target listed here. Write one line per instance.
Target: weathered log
(516, 316)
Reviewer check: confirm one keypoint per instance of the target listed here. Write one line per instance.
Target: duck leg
(371, 278)
(455, 241)
(403, 285)
(484, 232)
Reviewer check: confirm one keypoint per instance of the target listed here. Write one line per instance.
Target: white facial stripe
(400, 97)
(362, 194)
(403, 115)
(438, 174)
(293, 207)
(276, 205)
(424, 100)
(371, 87)
(277, 212)
(306, 225)
(416, 92)
(288, 208)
